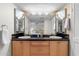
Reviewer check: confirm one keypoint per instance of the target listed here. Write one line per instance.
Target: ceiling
(39, 8)
(38, 12)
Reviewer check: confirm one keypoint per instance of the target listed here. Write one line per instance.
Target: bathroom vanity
(39, 47)
(37, 26)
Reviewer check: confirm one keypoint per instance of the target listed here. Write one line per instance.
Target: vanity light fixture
(33, 13)
(39, 13)
(46, 13)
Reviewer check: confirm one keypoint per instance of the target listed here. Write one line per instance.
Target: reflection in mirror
(19, 21)
(40, 24)
(62, 21)
(36, 27)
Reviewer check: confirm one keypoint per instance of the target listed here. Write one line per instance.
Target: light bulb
(39, 13)
(33, 13)
(46, 13)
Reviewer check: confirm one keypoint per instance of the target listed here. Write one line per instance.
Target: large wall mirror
(39, 24)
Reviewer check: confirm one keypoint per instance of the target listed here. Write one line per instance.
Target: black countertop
(39, 39)
(65, 37)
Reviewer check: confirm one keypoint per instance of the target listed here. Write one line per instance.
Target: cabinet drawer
(39, 48)
(40, 43)
(40, 51)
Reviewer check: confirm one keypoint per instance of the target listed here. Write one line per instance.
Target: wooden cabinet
(59, 48)
(40, 48)
(21, 48)
(16, 48)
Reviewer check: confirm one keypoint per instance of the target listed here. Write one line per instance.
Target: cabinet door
(16, 48)
(39, 48)
(58, 48)
(20, 48)
(26, 48)
(63, 48)
(53, 48)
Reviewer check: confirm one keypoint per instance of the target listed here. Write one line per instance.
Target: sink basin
(51, 37)
(24, 37)
(55, 37)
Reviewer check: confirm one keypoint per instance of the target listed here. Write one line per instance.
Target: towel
(5, 36)
(67, 24)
